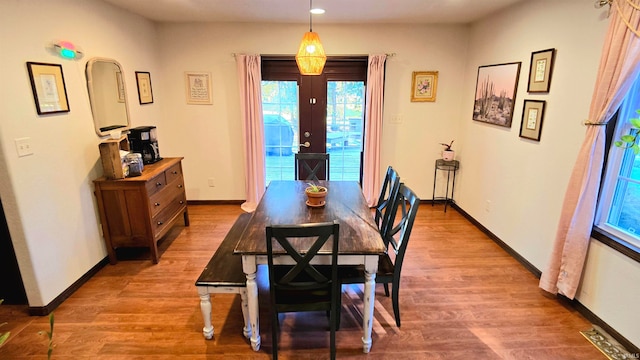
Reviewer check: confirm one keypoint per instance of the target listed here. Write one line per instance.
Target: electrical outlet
(212, 182)
(487, 206)
(23, 146)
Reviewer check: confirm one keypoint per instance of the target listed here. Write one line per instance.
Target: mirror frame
(92, 96)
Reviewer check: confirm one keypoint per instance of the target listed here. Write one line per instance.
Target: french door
(314, 114)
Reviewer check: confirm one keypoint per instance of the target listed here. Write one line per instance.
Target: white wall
(525, 180)
(48, 196)
(210, 136)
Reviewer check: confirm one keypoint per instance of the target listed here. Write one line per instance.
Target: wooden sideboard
(139, 211)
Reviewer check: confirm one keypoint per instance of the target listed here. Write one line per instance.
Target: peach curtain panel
(618, 69)
(373, 128)
(250, 83)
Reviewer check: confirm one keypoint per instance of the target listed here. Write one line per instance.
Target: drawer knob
(160, 223)
(156, 204)
(180, 186)
(158, 184)
(181, 202)
(174, 172)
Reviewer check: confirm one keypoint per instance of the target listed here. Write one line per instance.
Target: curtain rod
(388, 54)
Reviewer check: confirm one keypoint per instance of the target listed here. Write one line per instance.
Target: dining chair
(299, 285)
(389, 191)
(314, 166)
(402, 215)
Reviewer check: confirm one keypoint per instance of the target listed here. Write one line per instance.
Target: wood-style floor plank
(462, 297)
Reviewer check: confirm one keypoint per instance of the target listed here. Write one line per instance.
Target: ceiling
(296, 11)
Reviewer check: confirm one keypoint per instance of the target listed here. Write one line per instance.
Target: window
(619, 206)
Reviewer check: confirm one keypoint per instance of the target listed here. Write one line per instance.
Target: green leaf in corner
(4, 337)
(635, 123)
(636, 149)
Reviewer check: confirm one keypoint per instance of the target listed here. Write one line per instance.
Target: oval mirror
(108, 95)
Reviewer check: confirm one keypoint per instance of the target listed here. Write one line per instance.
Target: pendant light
(311, 57)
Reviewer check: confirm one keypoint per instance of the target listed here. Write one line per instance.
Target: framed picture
(49, 90)
(119, 86)
(532, 116)
(198, 88)
(496, 93)
(145, 93)
(424, 85)
(540, 70)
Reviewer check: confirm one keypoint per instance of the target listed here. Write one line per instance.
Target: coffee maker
(144, 140)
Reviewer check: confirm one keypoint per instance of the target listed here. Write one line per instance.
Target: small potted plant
(316, 195)
(447, 153)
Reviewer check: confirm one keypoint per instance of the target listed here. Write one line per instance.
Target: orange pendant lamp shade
(311, 57)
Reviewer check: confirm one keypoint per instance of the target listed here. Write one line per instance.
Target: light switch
(23, 146)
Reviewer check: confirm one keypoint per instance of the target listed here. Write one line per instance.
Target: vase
(448, 155)
(316, 198)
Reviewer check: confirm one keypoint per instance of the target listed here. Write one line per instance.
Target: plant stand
(450, 167)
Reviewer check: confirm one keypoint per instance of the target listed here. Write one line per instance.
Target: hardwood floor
(462, 297)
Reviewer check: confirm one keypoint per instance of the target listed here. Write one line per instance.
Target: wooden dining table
(284, 203)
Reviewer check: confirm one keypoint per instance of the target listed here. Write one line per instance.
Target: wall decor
(145, 93)
(49, 90)
(424, 86)
(540, 70)
(198, 88)
(120, 86)
(496, 93)
(532, 116)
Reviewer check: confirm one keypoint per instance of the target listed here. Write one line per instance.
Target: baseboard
(529, 266)
(593, 318)
(47, 309)
(215, 202)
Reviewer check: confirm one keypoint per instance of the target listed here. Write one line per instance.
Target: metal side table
(450, 167)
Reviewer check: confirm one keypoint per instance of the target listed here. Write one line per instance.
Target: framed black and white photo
(145, 93)
(49, 90)
(540, 71)
(532, 116)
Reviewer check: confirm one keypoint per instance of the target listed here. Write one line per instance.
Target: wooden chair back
(312, 166)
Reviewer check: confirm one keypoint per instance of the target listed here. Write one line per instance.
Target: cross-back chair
(297, 284)
(389, 190)
(312, 166)
(402, 215)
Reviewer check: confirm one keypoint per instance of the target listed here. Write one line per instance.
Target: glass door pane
(345, 125)
(281, 123)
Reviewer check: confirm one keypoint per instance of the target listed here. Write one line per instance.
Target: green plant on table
(315, 188)
(630, 140)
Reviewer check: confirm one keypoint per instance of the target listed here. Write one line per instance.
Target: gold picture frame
(540, 71)
(145, 92)
(532, 116)
(424, 85)
(198, 88)
(49, 90)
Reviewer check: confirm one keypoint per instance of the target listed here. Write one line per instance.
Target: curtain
(618, 69)
(373, 128)
(249, 79)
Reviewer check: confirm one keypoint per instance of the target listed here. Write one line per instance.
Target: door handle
(306, 144)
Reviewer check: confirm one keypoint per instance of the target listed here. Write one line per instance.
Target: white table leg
(371, 267)
(250, 269)
(246, 331)
(205, 307)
